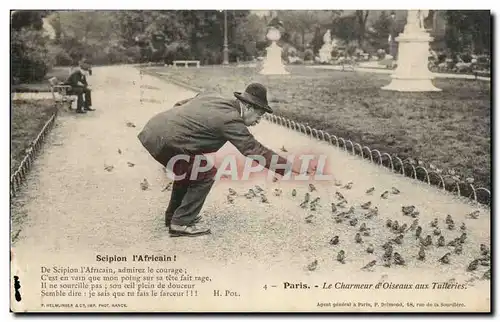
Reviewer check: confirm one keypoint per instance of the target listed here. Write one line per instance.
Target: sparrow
(372, 212)
(312, 266)
(403, 228)
(437, 231)
(263, 199)
(337, 183)
(458, 249)
(366, 205)
(341, 257)
(130, 124)
(474, 214)
(283, 149)
(434, 222)
(275, 179)
(230, 199)
(421, 253)
(407, 210)
(313, 207)
(307, 197)
(342, 203)
(108, 168)
(415, 214)
(309, 218)
(387, 245)
(353, 222)
(144, 184)
(463, 227)
(445, 259)
(484, 249)
(454, 242)
(387, 262)
(441, 242)
(448, 220)
(119, 151)
(334, 240)
(316, 200)
(398, 259)
(277, 192)
(398, 240)
(487, 275)
(250, 194)
(428, 240)
(418, 231)
(473, 265)
(334, 208)
(370, 191)
(312, 187)
(395, 191)
(413, 225)
(385, 194)
(130, 164)
(168, 186)
(339, 196)
(351, 210)
(451, 226)
(294, 193)
(370, 249)
(388, 223)
(395, 225)
(232, 192)
(362, 227)
(348, 185)
(463, 237)
(338, 219)
(370, 264)
(366, 233)
(258, 189)
(484, 262)
(358, 238)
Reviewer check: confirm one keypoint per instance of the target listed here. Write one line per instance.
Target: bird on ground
(339, 196)
(230, 199)
(407, 210)
(108, 168)
(434, 222)
(454, 242)
(370, 249)
(474, 214)
(362, 227)
(338, 219)
(395, 191)
(458, 249)
(441, 242)
(415, 214)
(342, 204)
(353, 222)
(341, 257)
(463, 237)
(130, 164)
(334, 240)
(119, 151)
(334, 208)
(348, 185)
(448, 220)
(144, 184)
(398, 259)
(370, 191)
(451, 226)
(463, 227)
(313, 207)
(437, 231)
(445, 259)
(277, 192)
(369, 265)
(421, 253)
(473, 265)
(258, 189)
(372, 212)
(485, 250)
(413, 225)
(294, 193)
(398, 240)
(418, 231)
(263, 199)
(130, 124)
(337, 183)
(487, 275)
(385, 194)
(395, 225)
(232, 192)
(307, 197)
(309, 218)
(284, 149)
(312, 187)
(388, 223)
(312, 266)
(366, 205)
(403, 228)
(358, 238)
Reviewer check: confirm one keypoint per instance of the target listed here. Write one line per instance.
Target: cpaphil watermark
(232, 167)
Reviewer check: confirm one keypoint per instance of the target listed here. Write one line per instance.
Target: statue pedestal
(273, 65)
(412, 73)
(325, 53)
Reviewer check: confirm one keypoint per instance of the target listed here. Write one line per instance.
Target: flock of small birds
(359, 218)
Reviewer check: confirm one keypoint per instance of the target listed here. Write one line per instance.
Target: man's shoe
(81, 111)
(89, 109)
(188, 231)
(168, 219)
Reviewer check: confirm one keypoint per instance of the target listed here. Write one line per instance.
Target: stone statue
(422, 15)
(415, 21)
(327, 37)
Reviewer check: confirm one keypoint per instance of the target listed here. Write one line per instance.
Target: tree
(345, 28)
(361, 19)
(468, 30)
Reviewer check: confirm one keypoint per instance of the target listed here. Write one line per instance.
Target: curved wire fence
(19, 176)
(408, 168)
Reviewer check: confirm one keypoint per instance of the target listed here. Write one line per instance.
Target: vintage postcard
(250, 161)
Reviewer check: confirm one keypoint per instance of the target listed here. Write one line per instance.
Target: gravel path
(72, 208)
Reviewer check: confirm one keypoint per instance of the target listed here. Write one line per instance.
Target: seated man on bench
(80, 88)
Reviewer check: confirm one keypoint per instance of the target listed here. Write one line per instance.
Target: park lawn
(449, 129)
(41, 86)
(27, 120)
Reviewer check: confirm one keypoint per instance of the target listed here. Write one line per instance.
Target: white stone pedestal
(412, 72)
(273, 65)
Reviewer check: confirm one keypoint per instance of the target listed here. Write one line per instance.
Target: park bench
(60, 92)
(186, 62)
(348, 64)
